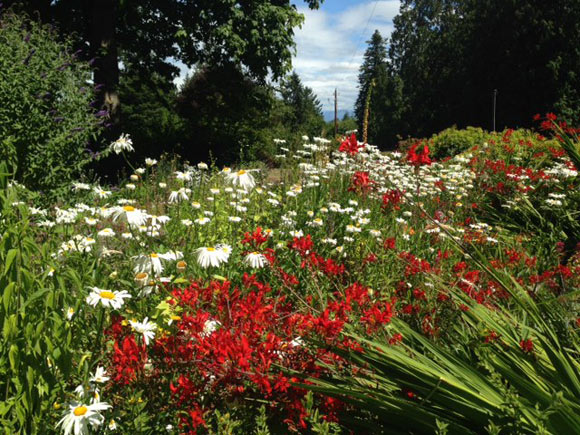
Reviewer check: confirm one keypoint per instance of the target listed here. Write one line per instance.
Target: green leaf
(10, 257)
(7, 295)
(14, 357)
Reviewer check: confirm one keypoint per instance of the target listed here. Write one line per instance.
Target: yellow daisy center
(211, 249)
(141, 275)
(106, 294)
(154, 255)
(129, 208)
(241, 172)
(80, 410)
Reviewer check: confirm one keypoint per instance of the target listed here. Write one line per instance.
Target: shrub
(452, 141)
(46, 118)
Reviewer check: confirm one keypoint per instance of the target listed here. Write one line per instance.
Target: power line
(363, 32)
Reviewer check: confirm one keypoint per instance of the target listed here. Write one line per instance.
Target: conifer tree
(373, 68)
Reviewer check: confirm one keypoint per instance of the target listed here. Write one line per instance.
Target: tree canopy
(151, 35)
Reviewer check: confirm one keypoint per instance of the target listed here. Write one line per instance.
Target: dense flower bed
(209, 299)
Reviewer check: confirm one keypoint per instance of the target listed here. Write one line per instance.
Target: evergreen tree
(373, 72)
(305, 110)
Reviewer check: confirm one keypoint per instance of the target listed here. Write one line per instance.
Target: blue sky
(331, 43)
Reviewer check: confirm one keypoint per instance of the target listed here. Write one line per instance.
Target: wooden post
(335, 112)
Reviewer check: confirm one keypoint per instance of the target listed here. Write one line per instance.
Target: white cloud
(330, 47)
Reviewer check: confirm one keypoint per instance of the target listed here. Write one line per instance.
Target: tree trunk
(102, 21)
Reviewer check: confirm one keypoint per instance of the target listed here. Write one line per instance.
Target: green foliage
(35, 345)
(258, 34)
(452, 141)
(46, 122)
(149, 114)
(346, 124)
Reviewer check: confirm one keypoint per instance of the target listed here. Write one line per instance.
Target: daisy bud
(141, 278)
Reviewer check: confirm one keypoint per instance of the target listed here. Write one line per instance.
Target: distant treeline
(445, 60)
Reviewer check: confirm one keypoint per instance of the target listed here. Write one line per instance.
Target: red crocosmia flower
(128, 360)
(350, 145)
(302, 244)
(361, 182)
(392, 199)
(492, 336)
(396, 339)
(389, 243)
(421, 158)
(527, 345)
(256, 239)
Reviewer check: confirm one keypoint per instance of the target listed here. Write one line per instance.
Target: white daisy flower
(210, 256)
(81, 186)
(210, 326)
(107, 298)
(178, 195)
(106, 232)
(79, 416)
(202, 220)
(124, 143)
(70, 312)
(150, 162)
(242, 178)
(159, 220)
(90, 221)
(132, 215)
(152, 262)
(146, 328)
(101, 193)
(256, 260)
(183, 176)
(100, 376)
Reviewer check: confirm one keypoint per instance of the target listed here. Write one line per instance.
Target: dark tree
(446, 57)
(305, 114)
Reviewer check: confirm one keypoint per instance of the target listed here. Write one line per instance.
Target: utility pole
(494, 106)
(335, 112)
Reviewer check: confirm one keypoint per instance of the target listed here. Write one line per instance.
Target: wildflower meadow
(348, 291)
